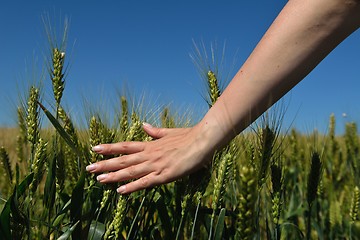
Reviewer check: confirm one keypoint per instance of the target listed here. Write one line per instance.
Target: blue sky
(146, 45)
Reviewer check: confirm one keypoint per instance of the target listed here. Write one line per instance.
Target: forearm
(300, 37)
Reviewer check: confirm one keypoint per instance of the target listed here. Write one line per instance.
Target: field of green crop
(268, 183)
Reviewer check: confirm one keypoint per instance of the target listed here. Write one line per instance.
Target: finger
(129, 173)
(154, 131)
(144, 182)
(119, 148)
(115, 164)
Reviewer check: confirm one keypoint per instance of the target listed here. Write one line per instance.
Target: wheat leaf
(49, 190)
(220, 225)
(61, 130)
(5, 230)
(77, 200)
(96, 231)
(67, 234)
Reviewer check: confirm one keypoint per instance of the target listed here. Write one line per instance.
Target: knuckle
(122, 159)
(110, 148)
(132, 171)
(157, 131)
(160, 132)
(125, 146)
(144, 182)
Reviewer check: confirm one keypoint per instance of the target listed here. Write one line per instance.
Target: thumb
(154, 132)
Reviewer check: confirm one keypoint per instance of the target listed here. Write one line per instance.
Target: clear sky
(146, 44)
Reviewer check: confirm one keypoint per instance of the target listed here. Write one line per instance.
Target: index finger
(119, 148)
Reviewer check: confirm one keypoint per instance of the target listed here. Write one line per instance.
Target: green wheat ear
(353, 149)
(32, 118)
(21, 139)
(221, 180)
(124, 119)
(57, 75)
(214, 89)
(21, 116)
(267, 141)
(95, 138)
(314, 178)
(135, 132)
(167, 121)
(354, 209)
(333, 143)
(335, 216)
(5, 161)
(247, 201)
(277, 188)
(72, 162)
(114, 228)
(68, 125)
(38, 164)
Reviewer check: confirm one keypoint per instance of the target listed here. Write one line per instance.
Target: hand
(175, 153)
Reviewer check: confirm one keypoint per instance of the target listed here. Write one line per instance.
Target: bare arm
(304, 33)
(300, 37)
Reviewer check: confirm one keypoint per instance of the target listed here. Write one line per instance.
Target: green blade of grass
(5, 230)
(50, 187)
(96, 231)
(219, 228)
(61, 130)
(67, 234)
(60, 215)
(164, 215)
(130, 233)
(194, 221)
(24, 184)
(16, 213)
(77, 199)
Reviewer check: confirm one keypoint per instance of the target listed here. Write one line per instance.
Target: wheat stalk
(354, 209)
(267, 141)
(313, 181)
(32, 118)
(21, 116)
(333, 145)
(276, 194)
(247, 202)
(353, 149)
(313, 178)
(214, 89)
(57, 75)
(220, 184)
(335, 217)
(113, 230)
(5, 160)
(135, 131)
(95, 139)
(167, 121)
(38, 164)
(124, 120)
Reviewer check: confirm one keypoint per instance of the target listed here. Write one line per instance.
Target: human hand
(176, 152)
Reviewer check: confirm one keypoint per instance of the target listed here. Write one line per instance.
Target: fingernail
(101, 177)
(145, 124)
(121, 189)
(97, 148)
(90, 167)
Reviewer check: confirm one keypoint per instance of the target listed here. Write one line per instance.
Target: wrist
(211, 135)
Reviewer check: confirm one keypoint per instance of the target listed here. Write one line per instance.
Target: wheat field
(267, 183)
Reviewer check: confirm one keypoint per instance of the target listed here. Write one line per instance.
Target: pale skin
(301, 36)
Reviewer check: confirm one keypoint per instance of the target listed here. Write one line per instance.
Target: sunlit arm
(303, 34)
